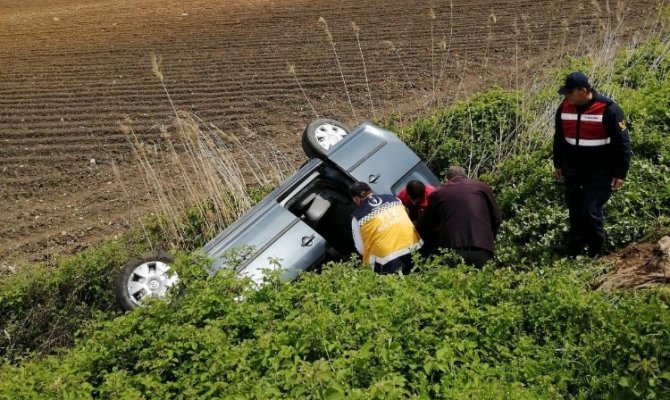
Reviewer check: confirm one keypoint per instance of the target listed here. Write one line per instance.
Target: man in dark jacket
(462, 215)
(591, 155)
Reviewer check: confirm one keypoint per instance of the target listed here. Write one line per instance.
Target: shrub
(643, 66)
(348, 333)
(648, 115)
(535, 216)
(43, 307)
(476, 133)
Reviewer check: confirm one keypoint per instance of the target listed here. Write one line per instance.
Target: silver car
(303, 222)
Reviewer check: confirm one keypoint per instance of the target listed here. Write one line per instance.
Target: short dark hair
(455, 171)
(359, 189)
(415, 189)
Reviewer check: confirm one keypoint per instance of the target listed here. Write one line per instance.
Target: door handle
(373, 178)
(307, 240)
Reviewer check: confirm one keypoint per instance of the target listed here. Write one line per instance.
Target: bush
(535, 221)
(648, 115)
(475, 133)
(643, 66)
(348, 333)
(43, 307)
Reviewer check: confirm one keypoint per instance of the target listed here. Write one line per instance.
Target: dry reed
(291, 70)
(322, 22)
(195, 164)
(357, 31)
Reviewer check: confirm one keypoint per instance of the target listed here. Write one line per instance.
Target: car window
(420, 173)
(326, 206)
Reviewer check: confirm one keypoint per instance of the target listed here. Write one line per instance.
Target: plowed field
(70, 71)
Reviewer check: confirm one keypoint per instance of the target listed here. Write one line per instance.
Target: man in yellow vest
(383, 233)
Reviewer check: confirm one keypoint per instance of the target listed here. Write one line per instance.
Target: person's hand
(617, 183)
(558, 174)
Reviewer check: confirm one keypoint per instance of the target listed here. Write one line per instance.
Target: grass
(322, 22)
(357, 31)
(213, 168)
(407, 82)
(291, 70)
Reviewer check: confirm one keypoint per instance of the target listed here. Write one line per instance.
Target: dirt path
(70, 71)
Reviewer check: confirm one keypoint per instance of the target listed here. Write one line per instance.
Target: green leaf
(333, 394)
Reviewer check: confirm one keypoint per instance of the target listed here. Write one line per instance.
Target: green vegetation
(505, 138)
(348, 333)
(524, 327)
(44, 306)
(477, 133)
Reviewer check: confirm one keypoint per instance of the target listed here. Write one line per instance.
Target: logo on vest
(374, 201)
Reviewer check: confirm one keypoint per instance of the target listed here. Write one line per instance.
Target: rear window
(420, 173)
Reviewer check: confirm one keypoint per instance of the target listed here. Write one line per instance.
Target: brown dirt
(70, 71)
(638, 266)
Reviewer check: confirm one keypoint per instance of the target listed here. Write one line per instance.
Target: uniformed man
(591, 155)
(383, 233)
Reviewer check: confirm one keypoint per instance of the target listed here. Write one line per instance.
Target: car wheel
(150, 275)
(321, 135)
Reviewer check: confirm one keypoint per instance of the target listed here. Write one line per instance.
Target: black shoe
(596, 252)
(575, 250)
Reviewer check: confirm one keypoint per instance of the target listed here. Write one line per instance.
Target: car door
(269, 236)
(294, 249)
(276, 240)
(377, 157)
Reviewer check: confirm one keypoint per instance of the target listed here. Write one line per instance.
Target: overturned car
(303, 222)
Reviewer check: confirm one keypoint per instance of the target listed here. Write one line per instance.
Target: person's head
(577, 89)
(359, 191)
(416, 191)
(454, 171)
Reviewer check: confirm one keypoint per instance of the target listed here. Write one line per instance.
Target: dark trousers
(402, 263)
(585, 205)
(474, 256)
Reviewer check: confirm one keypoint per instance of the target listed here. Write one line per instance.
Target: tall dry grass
(407, 81)
(357, 31)
(291, 70)
(322, 22)
(196, 164)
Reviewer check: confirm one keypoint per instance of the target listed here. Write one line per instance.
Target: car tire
(321, 135)
(149, 275)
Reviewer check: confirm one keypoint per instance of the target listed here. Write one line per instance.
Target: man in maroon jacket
(462, 215)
